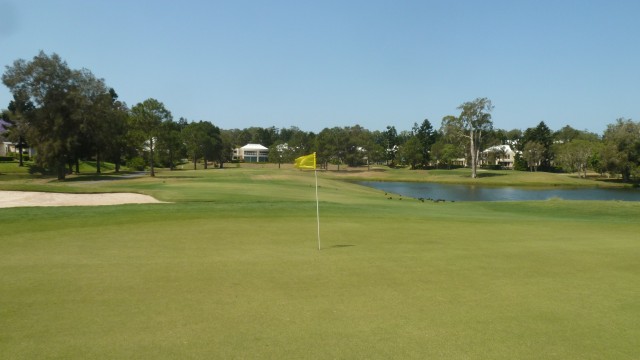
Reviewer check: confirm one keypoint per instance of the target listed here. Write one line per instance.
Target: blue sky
(317, 64)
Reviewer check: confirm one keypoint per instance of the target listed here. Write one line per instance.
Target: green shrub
(136, 163)
(520, 164)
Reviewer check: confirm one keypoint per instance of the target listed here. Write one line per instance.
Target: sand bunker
(27, 198)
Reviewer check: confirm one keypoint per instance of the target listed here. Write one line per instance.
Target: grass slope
(231, 270)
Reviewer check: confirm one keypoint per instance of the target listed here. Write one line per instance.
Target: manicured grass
(13, 168)
(231, 270)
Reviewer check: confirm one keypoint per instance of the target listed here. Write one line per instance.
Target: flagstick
(317, 207)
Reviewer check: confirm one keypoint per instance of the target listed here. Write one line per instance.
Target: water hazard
(450, 192)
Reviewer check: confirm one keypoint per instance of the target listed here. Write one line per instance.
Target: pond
(450, 192)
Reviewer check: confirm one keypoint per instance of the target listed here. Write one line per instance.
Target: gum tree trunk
(474, 156)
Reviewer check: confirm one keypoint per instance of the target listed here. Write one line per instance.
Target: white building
(6, 147)
(251, 153)
(503, 156)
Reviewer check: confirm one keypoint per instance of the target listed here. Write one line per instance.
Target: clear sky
(317, 64)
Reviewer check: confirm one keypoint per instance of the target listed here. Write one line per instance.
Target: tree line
(70, 115)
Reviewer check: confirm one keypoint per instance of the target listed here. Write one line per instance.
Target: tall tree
(146, 120)
(375, 147)
(450, 133)
(169, 143)
(533, 154)
(576, 155)
(426, 135)
(473, 122)
(193, 136)
(437, 150)
(203, 139)
(118, 141)
(280, 152)
(95, 118)
(356, 140)
(411, 152)
(18, 124)
(391, 144)
(332, 146)
(542, 135)
(622, 147)
(59, 96)
(212, 145)
(365, 149)
(443, 152)
(226, 147)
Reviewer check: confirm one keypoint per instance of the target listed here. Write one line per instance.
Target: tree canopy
(146, 122)
(68, 115)
(63, 116)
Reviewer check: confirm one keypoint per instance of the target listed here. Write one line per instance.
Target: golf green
(231, 269)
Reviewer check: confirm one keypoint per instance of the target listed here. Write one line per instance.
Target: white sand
(27, 198)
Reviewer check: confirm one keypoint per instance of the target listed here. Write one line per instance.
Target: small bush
(136, 163)
(6, 158)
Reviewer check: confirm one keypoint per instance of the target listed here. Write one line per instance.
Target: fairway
(229, 269)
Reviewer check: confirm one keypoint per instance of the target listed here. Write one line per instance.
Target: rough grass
(231, 270)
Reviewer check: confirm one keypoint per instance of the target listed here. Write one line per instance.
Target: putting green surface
(231, 269)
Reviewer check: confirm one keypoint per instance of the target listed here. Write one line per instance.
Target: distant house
(459, 162)
(501, 155)
(251, 153)
(6, 148)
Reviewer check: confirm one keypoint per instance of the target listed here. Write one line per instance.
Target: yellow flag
(306, 162)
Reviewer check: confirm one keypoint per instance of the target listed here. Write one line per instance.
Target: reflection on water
(451, 192)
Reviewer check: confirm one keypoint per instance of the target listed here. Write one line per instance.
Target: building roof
(505, 148)
(253, 147)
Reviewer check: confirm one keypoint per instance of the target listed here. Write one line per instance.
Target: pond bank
(463, 177)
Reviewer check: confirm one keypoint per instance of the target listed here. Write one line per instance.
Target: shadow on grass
(350, 171)
(105, 177)
(38, 170)
(485, 175)
(176, 177)
(338, 246)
